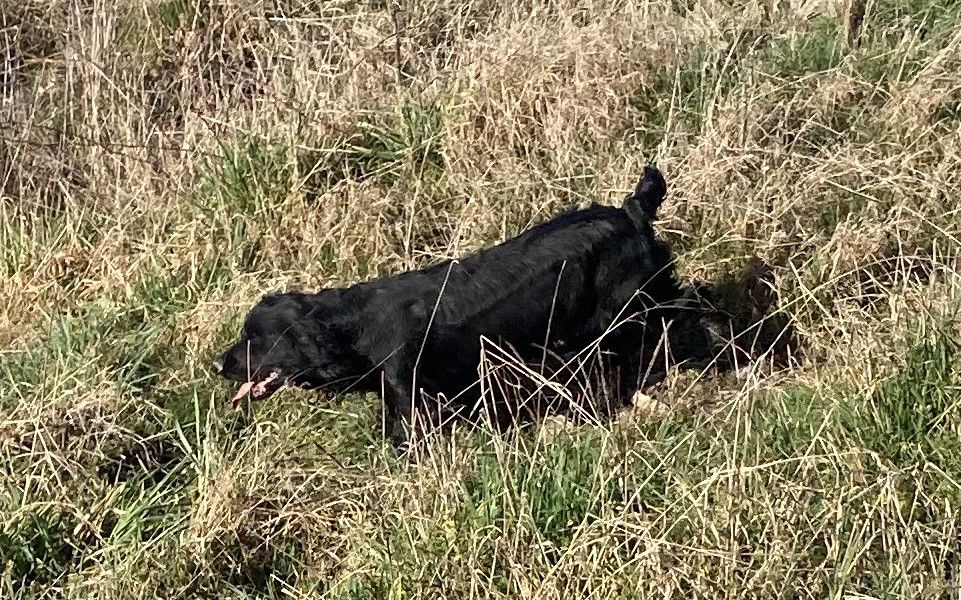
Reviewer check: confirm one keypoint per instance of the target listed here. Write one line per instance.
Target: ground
(163, 163)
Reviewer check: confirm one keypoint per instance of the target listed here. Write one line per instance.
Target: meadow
(164, 163)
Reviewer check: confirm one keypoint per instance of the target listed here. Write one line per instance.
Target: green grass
(240, 192)
(555, 492)
(685, 95)
(407, 142)
(909, 420)
(818, 47)
(174, 14)
(36, 542)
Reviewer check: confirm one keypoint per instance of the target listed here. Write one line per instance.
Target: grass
(162, 166)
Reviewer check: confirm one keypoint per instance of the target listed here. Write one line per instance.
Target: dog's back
(558, 254)
(562, 282)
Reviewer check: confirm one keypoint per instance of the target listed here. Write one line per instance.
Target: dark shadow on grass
(733, 322)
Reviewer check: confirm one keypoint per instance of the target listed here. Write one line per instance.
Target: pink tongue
(243, 391)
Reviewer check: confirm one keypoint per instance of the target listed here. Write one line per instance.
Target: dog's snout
(218, 365)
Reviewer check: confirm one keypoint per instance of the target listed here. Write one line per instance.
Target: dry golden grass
(163, 163)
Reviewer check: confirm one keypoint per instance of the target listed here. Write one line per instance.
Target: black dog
(593, 274)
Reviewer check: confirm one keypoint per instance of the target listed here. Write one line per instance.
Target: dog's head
(290, 339)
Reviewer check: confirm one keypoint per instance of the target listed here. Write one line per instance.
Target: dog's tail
(642, 205)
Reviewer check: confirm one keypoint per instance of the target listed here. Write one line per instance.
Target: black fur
(416, 336)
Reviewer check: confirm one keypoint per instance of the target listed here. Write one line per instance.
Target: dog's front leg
(398, 401)
(413, 416)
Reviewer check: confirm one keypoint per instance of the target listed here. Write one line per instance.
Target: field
(164, 163)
